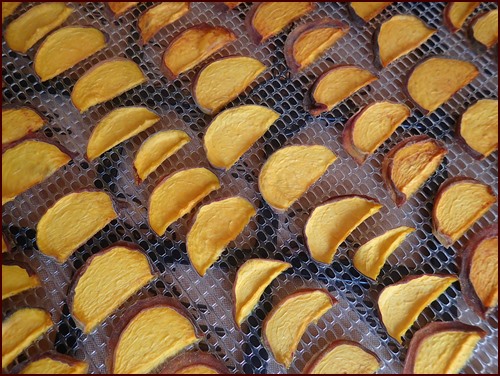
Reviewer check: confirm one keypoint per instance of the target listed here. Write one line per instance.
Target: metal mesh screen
(270, 235)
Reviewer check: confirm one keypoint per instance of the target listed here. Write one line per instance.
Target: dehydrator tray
(270, 234)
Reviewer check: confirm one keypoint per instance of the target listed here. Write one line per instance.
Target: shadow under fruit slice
(54, 363)
(267, 19)
(366, 11)
(120, 7)
(335, 85)
(31, 26)
(331, 223)
(192, 46)
(117, 126)
(455, 14)
(8, 8)
(398, 36)
(216, 224)
(252, 278)
(287, 322)
(66, 47)
(434, 80)
(177, 194)
(105, 81)
(479, 271)
(19, 122)
(20, 330)
(307, 42)
(478, 128)
(194, 363)
(371, 256)
(365, 131)
(343, 357)
(401, 303)
(16, 278)
(484, 28)
(409, 164)
(156, 149)
(234, 131)
(28, 163)
(106, 280)
(71, 221)
(290, 171)
(155, 330)
(459, 203)
(223, 80)
(156, 18)
(442, 348)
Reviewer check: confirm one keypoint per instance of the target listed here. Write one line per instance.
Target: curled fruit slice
(71, 221)
(20, 330)
(8, 8)
(66, 47)
(455, 14)
(479, 271)
(335, 85)
(216, 225)
(365, 11)
(478, 128)
(343, 357)
(251, 280)
(433, 81)
(28, 163)
(156, 149)
(331, 223)
(370, 127)
(155, 329)
(19, 122)
(267, 19)
(484, 28)
(287, 322)
(159, 16)
(55, 364)
(409, 164)
(371, 256)
(106, 280)
(194, 45)
(194, 363)
(459, 203)
(290, 171)
(177, 194)
(307, 42)
(105, 81)
(120, 7)
(442, 348)
(16, 278)
(223, 80)
(22, 33)
(117, 126)
(398, 36)
(398, 313)
(234, 131)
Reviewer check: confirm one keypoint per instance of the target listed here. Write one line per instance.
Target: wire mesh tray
(270, 235)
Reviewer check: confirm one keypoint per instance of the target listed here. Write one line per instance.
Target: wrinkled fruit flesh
(331, 223)
(120, 7)
(398, 312)
(71, 221)
(456, 13)
(234, 131)
(290, 171)
(216, 224)
(177, 195)
(55, 364)
(8, 8)
(252, 279)
(287, 322)
(485, 28)
(27, 164)
(117, 126)
(16, 279)
(105, 282)
(161, 15)
(66, 47)
(19, 122)
(368, 10)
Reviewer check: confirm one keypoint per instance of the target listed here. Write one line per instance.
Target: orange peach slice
(8, 8)
(159, 16)
(455, 14)
(365, 11)
(120, 7)
(19, 122)
(16, 278)
(54, 363)
(484, 28)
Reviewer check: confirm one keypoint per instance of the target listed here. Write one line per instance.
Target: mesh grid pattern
(270, 234)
